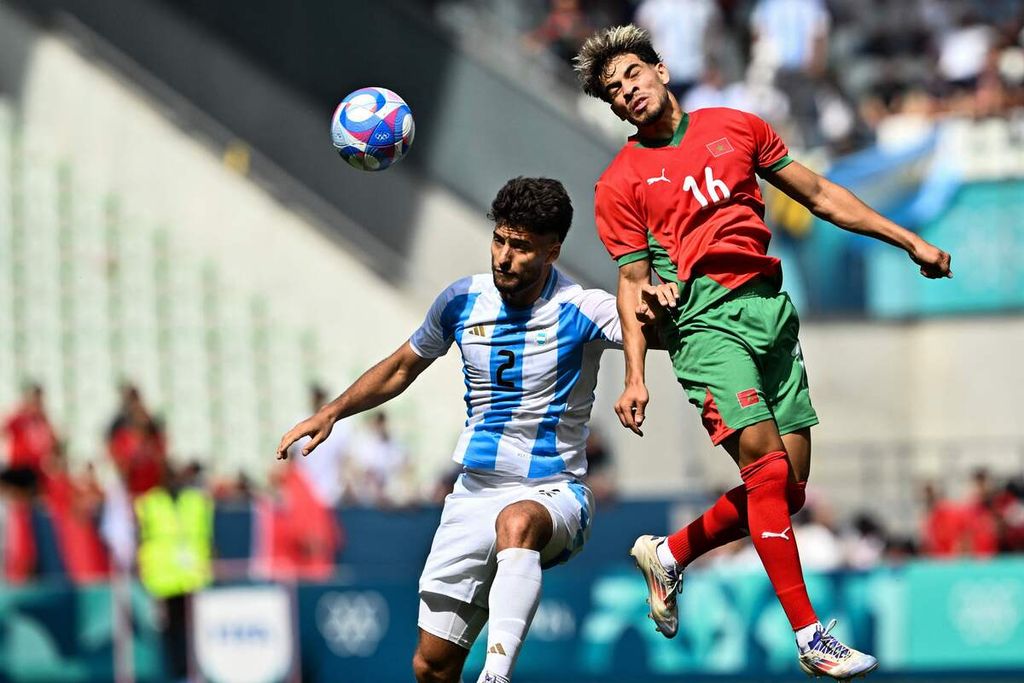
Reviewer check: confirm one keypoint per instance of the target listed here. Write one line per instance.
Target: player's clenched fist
(318, 428)
(934, 262)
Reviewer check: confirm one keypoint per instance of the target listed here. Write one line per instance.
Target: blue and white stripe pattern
(530, 373)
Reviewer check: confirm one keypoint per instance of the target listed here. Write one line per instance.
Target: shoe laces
(672, 579)
(830, 645)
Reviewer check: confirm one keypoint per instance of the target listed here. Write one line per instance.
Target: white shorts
(457, 576)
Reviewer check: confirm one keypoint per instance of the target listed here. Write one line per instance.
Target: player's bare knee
(432, 670)
(523, 525)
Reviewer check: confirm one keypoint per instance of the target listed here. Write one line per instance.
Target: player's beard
(652, 113)
(510, 284)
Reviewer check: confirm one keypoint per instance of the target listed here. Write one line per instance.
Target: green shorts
(740, 362)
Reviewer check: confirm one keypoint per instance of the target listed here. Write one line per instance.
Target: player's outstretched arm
(837, 205)
(379, 384)
(633, 277)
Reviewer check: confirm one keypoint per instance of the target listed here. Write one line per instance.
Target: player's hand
(318, 428)
(630, 407)
(933, 261)
(654, 299)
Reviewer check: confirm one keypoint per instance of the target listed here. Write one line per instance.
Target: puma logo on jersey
(497, 649)
(772, 534)
(659, 179)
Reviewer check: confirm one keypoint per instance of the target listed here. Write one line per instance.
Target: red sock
(772, 533)
(723, 522)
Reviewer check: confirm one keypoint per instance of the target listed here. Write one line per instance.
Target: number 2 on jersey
(510, 362)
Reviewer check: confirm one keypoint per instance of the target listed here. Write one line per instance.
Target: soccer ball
(372, 128)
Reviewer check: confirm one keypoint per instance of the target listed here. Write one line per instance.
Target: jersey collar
(674, 141)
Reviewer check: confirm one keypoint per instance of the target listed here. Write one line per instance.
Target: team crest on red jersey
(720, 147)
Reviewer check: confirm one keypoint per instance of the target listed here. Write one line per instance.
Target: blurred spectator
(235, 488)
(378, 470)
(816, 538)
(683, 32)
(600, 468)
(562, 31)
(1009, 506)
(899, 550)
(963, 52)
(175, 522)
(444, 484)
(790, 37)
(136, 443)
(323, 468)
(30, 437)
(941, 527)
(713, 91)
(864, 546)
(979, 534)
(117, 521)
(74, 504)
(296, 535)
(17, 539)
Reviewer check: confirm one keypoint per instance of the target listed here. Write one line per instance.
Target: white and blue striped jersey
(530, 372)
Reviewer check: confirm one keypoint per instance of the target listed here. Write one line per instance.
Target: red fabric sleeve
(768, 146)
(618, 222)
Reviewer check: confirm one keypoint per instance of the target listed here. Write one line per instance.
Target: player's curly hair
(605, 45)
(537, 205)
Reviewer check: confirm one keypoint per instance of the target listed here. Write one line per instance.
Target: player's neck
(665, 126)
(525, 298)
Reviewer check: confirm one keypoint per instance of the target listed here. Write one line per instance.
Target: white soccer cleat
(826, 656)
(488, 677)
(662, 585)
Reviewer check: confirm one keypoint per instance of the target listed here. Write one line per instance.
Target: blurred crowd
(92, 508)
(988, 520)
(829, 74)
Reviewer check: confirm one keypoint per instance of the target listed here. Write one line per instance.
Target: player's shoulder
(574, 294)
(720, 115)
(621, 165)
(471, 284)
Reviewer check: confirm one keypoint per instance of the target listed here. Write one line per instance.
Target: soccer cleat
(488, 677)
(826, 656)
(662, 585)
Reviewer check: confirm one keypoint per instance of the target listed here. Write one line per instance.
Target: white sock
(805, 635)
(515, 594)
(668, 561)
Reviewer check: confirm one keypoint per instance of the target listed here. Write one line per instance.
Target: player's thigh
(785, 374)
(570, 505)
(448, 629)
(722, 379)
(461, 560)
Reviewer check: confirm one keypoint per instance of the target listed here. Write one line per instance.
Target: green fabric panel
(632, 257)
(674, 141)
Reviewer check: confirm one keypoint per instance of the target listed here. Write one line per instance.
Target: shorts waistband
(759, 286)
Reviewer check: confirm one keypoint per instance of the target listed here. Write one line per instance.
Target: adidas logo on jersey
(482, 331)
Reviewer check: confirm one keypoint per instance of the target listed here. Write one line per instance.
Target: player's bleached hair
(605, 45)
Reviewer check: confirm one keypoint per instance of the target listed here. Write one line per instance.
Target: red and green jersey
(692, 204)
